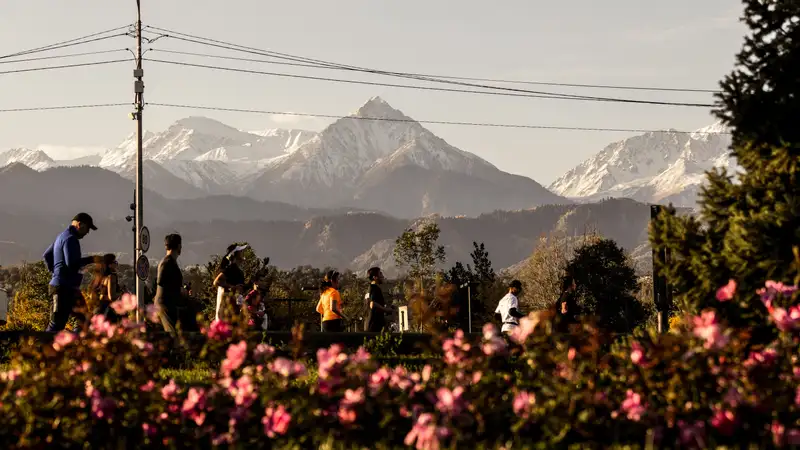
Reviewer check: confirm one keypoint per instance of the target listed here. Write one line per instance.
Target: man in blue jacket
(63, 259)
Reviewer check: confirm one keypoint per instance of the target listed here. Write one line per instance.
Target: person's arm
(112, 287)
(220, 281)
(48, 257)
(72, 254)
(320, 309)
(513, 311)
(336, 305)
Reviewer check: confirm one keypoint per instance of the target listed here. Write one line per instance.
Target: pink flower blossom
(101, 327)
(494, 346)
(379, 378)
(194, 405)
(571, 353)
(125, 304)
(330, 361)
(426, 372)
(243, 391)
(234, 357)
(707, 328)
(10, 375)
(149, 430)
(263, 351)
(526, 327)
(287, 368)
(489, 331)
(168, 392)
(426, 434)
(797, 397)
(786, 320)
(733, 397)
(724, 421)
(523, 402)
(276, 421)
(766, 357)
(456, 349)
(63, 339)
(219, 330)
(632, 406)
(153, 311)
(399, 379)
(450, 402)
(144, 346)
(148, 387)
(637, 354)
(361, 356)
(726, 293)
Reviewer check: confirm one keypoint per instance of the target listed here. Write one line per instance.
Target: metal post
(469, 306)
(138, 89)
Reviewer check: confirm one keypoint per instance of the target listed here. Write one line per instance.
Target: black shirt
(233, 275)
(169, 282)
(376, 318)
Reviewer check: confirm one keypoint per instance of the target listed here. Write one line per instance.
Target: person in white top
(507, 311)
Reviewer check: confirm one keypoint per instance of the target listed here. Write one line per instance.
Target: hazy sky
(680, 43)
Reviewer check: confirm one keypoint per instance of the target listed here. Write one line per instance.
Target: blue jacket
(63, 259)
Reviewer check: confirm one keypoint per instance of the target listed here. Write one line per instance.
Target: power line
(64, 66)
(425, 88)
(69, 55)
(70, 42)
(322, 64)
(53, 108)
(432, 122)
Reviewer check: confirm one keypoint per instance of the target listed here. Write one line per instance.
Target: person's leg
(63, 302)
(167, 315)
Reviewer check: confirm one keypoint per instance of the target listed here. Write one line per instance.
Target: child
(254, 307)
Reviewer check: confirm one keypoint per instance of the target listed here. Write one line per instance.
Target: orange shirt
(326, 304)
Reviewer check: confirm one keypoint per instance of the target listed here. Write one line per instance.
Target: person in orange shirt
(330, 303)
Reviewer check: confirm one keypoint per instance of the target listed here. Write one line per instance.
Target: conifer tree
(748, 229)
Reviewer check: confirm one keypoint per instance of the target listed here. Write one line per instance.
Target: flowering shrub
(702, 387)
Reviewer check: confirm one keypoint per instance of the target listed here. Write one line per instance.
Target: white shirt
(504, 307)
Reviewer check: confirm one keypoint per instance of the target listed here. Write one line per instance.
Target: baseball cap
(85, 218)
(515, 284)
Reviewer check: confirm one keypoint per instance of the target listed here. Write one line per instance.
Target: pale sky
(680, 43)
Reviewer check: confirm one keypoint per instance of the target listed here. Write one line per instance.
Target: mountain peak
(379, 108)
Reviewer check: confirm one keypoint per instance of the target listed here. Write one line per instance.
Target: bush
(704, 387)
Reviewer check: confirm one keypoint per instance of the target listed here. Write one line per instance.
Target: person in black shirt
(230, 282)
(376, 305)
(169, 283)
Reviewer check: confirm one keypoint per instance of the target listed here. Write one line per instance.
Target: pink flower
(526, 327)
(426, 434)
(426, 372)
(145, 347)
(523, 402)
(234, 357)
(194, 405)
(149, 430)
(726, 293)
(153, 311)
(263, 351)
(707, 328)
(169, 391)
(10, 375)
(243, 391)
(456, 349)
(450, 402)
(378, 379)
(353, 397)
(63, 339)
(765, 357)
(287, 368)
(148, 387)
(276, 421)
(330, 361)
(361, 356)
(489, 331)
(100, 326)
(733, 397)
(637, 354)
(786, 320)
(219, 330)
(724, 421)
(632, 406)
(125, 304)
(399, 379)
(494, 346)
(797, 397)
(571, 353)
(774, 289)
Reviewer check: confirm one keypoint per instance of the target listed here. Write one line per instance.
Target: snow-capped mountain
(35, 159)
(392, 163)
(664, 166)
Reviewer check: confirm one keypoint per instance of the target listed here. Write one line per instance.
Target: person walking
(104, 288)
(64, 261)
(376, 305)
(170, 294)
(507, 311)
(330, 304)
(230, 282)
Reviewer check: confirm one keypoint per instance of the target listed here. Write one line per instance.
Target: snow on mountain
(662, 166)
(285, 140)
(348, 148)
(64, 153)
(210, 176)
(35, 159)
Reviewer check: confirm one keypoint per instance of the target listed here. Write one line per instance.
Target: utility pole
(138, 89)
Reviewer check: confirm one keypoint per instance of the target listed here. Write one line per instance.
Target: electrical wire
(432, 122)
(53, 108)
(65, 66)
(322, 64)
(69, 55)
(70, 42)
(424, 88)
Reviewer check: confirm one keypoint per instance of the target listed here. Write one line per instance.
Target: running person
(376, 305)
(507, 311)
(330, 303)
